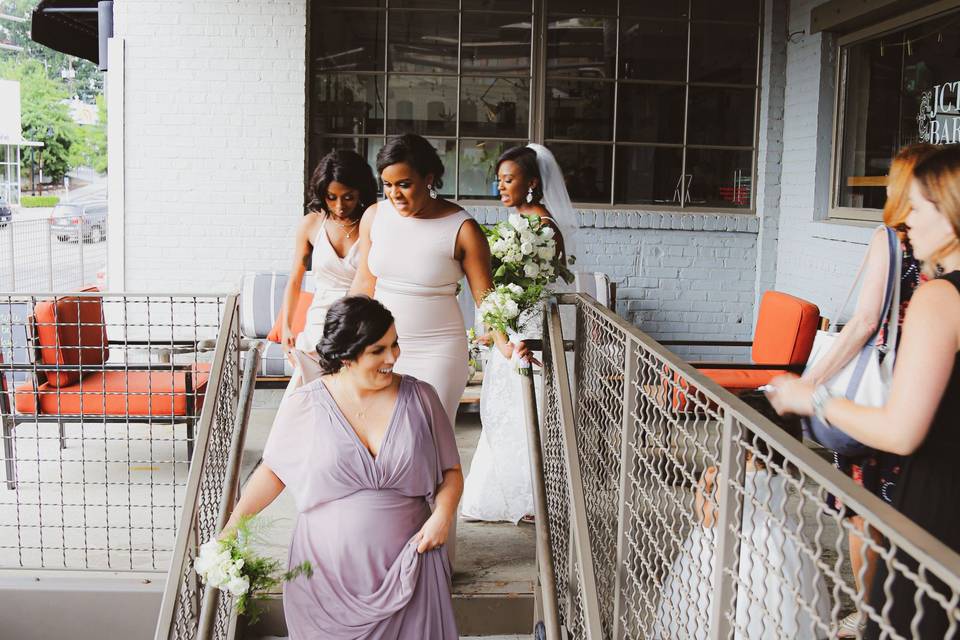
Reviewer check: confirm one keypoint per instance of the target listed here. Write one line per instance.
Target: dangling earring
(432, 191)
(529, 195)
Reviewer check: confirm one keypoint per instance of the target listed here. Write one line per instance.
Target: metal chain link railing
(100, 395)
(36, 256)
(675, 510)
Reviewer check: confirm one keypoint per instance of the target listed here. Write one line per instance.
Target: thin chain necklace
(348, 229)
(360, 412)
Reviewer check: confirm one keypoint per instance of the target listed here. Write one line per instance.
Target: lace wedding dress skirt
(499, 487)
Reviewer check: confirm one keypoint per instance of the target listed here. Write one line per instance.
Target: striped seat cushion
(261, 296)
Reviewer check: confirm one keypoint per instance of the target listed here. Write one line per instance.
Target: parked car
(6, 213)
(71, 221)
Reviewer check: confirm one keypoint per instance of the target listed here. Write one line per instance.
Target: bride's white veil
(556, 200)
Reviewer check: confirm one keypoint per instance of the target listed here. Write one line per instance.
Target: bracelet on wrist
(819, 399)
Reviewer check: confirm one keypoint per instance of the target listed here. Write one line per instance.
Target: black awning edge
(72, 33)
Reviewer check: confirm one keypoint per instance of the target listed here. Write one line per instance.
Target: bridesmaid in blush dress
(372, 464)
(415, 247)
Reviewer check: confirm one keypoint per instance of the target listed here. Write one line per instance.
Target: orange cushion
(118, 393)
(786, 327)
(740, 380)
(299, 318)
(71, 331)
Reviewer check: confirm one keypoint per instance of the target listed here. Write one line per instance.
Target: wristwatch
(819, 399)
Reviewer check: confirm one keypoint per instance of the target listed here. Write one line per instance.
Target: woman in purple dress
(372, 463)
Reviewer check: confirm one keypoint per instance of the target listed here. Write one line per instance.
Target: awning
(69, 26)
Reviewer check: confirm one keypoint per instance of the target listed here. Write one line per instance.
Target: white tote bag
(865, 379)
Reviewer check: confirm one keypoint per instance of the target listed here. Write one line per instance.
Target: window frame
(903, 21)
(537, 104)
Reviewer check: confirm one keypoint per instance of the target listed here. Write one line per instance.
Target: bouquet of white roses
(230, 564)
(524, 252)
(503, 307)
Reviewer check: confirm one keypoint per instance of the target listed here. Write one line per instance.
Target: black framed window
(457, 73)
(896, 88)
(643, 102)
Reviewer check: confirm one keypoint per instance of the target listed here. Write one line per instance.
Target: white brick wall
(816, 259)
(213, 139)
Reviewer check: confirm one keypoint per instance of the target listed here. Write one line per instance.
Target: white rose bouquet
(524, 252)
(502, 308)
(231, 565)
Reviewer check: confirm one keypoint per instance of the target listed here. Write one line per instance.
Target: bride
(499, 485)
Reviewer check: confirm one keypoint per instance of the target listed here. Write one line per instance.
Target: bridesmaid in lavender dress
(372, 463)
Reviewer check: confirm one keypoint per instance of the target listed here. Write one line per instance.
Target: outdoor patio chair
(71, 380)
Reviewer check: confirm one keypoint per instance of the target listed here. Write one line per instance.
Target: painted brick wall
(816, 259)
(214, 137)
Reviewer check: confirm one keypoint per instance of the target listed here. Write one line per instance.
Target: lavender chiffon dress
(358, 515)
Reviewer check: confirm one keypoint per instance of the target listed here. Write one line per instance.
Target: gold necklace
(361, 413)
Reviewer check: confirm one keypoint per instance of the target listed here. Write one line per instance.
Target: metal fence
(102, 397)
(188, 609)
(675, 510)
(37, 257)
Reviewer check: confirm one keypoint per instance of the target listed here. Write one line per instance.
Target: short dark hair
(346, 167)
(353, 323)
(415, 151)
(526, 159)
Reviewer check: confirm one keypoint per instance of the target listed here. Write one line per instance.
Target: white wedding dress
(499, 486)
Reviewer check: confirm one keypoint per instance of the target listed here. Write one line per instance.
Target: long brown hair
(897, 207)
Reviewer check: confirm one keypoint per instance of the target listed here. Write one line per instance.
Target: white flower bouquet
(231, 565)
(524, 252)
(503, 307)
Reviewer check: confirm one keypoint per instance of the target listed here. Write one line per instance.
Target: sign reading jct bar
(938, 119)
(10, 112)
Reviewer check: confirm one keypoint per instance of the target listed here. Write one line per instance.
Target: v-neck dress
(332, 277)
(358, 514)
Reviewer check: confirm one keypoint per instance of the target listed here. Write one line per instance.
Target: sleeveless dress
(332, 276)
(499, 487)
(417, 276)
(358, 515)
(927, 494)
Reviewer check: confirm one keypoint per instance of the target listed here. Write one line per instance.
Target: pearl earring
(529, 195)
(432, 191)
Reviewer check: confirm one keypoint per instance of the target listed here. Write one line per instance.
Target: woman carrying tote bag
(876, 471)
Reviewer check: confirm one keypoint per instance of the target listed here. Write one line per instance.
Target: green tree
(44, 115)
(87, 80)
(93, 148)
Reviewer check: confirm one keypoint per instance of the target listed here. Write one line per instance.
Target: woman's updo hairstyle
(415, 151)
(346, 167)
(526, 159)
(353, 323)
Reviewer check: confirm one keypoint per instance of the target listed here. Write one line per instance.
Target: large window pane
(583, 47)
(495, 43)
(734, 10)
(494, 107)
(320, 8)
(893, 96)
(719, 178)
(650, 113)
(723, 53)
(322, 145)
(579, 110)
(653, 49)
(586, 170)
(499, 5)
(347, 103)
(594, 8)
(477, 167)
(423, 41)
(447, 150)
(422, 104)
(649, 175)
(719, 116)
(348, 40)
(654, 9)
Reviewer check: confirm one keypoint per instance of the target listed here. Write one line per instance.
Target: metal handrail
(546, 572)
(895, 526)
(231, 483)
(622, 350)
(186, 532)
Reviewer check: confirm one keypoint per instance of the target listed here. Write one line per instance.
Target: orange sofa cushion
(118, 393)
(786, 327)
(71, 331)
(299, 318)
(740, 380)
